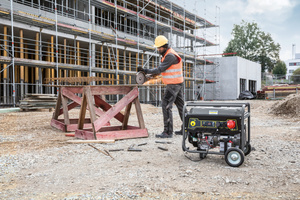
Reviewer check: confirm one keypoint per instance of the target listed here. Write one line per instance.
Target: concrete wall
(231, 70)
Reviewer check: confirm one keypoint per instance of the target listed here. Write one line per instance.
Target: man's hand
(140, 69)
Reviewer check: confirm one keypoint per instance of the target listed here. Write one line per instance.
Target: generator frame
(244, 146)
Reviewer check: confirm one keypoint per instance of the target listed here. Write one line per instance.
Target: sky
(280, 18)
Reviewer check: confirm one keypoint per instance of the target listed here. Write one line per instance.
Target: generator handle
(197, 103)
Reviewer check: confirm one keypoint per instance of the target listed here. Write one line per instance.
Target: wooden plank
(139, 113)
(5, 50)
(75, 90)
(64, 101)
(70, 107)
(129, 66)
(90, 103)
(104, 90)
(109, 75)
(89, 141)
(281, 91)
(118, 66)
(105, 106)
(78, 100)
(73, 127)
(57, 107)
(21, 54)
(57, 124)
(126, 116)
(102, 58)
(52, 55)
(82, 112)
(115, 109)
(65, 56)
(112, 135)
(78, 58)
(124, 63)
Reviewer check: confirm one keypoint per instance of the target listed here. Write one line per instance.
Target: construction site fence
(276, 79)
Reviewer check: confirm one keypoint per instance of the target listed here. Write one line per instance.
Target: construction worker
(172, 75)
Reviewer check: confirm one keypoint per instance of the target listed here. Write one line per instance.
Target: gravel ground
(37, 163)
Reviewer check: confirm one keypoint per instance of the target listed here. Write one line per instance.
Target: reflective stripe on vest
(174, 74)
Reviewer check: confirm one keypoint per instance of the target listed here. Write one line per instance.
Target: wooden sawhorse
(62, 107)
(98, 131)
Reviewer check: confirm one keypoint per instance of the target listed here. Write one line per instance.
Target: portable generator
(218, 128)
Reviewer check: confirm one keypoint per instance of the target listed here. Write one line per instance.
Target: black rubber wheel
(234, 157)
(202, 155)
(247, 149)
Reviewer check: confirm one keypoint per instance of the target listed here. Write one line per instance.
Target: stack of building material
(38, 101)
(280, 91)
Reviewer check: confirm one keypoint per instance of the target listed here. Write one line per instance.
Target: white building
(292, 65)
(236, 75)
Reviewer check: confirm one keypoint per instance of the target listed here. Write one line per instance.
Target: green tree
(296, 76)
(253, 44)
(280, 68)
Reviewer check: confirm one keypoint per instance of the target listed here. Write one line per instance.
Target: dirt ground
(37, 163)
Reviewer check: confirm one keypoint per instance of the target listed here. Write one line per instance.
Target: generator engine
(224, 127)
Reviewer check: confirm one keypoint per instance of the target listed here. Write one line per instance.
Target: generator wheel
(202, 155)
(234, 157)
(247, 149)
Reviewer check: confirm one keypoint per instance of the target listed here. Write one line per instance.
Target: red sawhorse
(98, 131)
(66, 124)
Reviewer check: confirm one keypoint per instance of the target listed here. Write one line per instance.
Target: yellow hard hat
(160, 41)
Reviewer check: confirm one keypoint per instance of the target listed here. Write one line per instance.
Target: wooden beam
(5, 50)
(49, 60)
(70, 107)
(129, 66)
(113, 134)
(139, 113)
(22, 75)
(59, 60)
(90, 103)
(109, 75)
(102, 58)
(64, 102)
(78, 58)
(124, 63)
(52, 55)
(37, 46)
(105, 106)
(104, 90)
(57, 107)
(137, 61)
(102, 120)
(67, 93)
(65, 56)
(118, 65)
(26, 68)
(82, 113)
(126, 116)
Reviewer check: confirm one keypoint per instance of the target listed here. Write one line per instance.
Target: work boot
(178, 132)
(164, 135)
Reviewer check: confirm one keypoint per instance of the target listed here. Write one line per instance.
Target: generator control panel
(230, 125)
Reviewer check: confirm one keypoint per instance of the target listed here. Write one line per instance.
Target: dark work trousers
(173, 94)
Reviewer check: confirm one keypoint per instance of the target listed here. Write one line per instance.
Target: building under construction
(50, 42)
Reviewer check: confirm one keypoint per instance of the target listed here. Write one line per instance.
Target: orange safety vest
(174, 74)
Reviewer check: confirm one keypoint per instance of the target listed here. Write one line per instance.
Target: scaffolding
(108, 39)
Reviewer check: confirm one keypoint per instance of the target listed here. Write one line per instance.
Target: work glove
(141, 69)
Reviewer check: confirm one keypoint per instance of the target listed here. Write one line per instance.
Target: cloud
(270, 10)
(260, 7)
